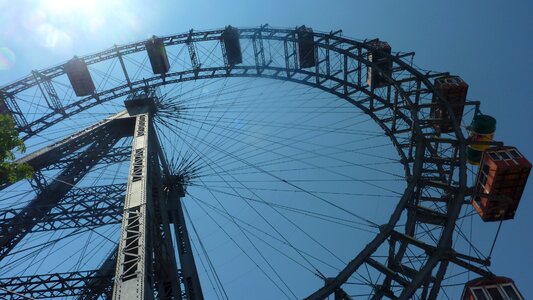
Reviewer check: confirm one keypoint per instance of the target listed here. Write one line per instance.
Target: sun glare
(59, 24)
(71, 6)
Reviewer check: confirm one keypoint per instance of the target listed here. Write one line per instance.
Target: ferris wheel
(253, 163)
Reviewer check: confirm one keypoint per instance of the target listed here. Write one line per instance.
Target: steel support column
(190, 280)
(133, 274)
(146, 264)
(166, 270)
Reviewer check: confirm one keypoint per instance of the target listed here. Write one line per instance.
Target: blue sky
(487, 43)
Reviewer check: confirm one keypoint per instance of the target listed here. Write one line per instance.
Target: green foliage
(9, 141)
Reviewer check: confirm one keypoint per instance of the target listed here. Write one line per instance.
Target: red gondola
(454, 91)
(500, 183)
(494, 288)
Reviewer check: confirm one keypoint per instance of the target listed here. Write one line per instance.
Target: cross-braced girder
(81, 207)
(15, 228)
(47, 285)
(49, 92)
(84, 285)
(52, 156)
(115, 155)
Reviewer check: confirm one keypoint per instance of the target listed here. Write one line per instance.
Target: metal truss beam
(121, 60)
(87, 207)
(430, 283)
(387, 271)
(451, 255)
(47, 286)
(115, 155)
(50, 154)
(259, 52)
(12, 232)
(49, 92)
(193, 54)
(54, 154)
(433, 293)
(86, 285)
(38, 181)
(8, 106)
(340, 294)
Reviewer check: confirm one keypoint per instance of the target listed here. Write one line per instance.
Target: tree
(9, 140)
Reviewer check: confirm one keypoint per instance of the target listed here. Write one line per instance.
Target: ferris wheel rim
(266, 33)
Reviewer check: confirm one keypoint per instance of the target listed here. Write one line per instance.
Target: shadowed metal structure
(148, 205)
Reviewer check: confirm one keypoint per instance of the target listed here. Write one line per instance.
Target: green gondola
(481, 130)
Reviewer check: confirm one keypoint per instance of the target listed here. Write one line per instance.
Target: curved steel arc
(273, 34)
(170, 40)
(187, 75)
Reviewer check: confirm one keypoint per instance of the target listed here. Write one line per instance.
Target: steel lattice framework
(434, 165)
